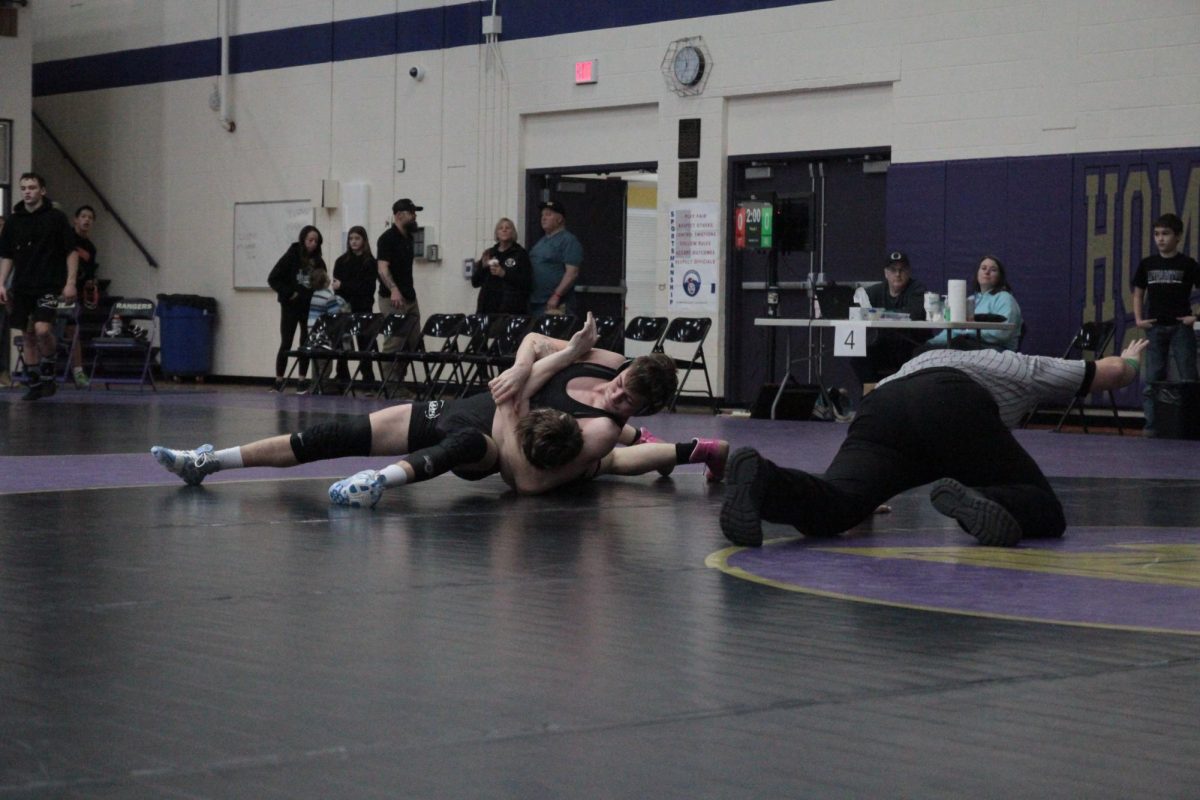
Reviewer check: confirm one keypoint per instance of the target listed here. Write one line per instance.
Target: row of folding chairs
(457, 354)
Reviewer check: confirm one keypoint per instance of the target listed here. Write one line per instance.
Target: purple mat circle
(1094, 576)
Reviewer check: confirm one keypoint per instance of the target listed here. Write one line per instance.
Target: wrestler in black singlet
(432, 421)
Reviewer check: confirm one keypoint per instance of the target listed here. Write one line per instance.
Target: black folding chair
(438, 350)
(323, 340)
(1092, 340)
(393, 365)
(642, 335)
(556, 326)
(683, 336)
(359, 344)
(609, 333)
(125, 350)
(470, 343)
(505, 335)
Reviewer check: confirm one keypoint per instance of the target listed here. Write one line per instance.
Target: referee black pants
(933, 424)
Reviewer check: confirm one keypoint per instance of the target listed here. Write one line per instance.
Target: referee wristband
(1133, 362)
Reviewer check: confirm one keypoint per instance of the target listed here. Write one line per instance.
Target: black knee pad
(333, 440)
(459, 447)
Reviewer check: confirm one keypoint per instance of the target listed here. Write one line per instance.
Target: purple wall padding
(1032, 214)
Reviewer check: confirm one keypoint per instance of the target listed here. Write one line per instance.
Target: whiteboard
(262, 233)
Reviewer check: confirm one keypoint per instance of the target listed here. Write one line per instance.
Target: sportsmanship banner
(695, 229)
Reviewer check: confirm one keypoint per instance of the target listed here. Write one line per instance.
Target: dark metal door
(596, 215)
(848, 245)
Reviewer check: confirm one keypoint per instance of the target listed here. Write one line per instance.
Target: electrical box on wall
(331, 194)
(425, 245)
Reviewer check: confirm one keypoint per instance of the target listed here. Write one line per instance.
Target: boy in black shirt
(1162, 289)
(39, 241)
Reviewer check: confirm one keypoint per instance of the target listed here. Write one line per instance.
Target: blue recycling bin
(186, 334)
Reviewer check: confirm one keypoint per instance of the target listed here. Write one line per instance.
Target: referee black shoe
(745, 487)
(986, 520)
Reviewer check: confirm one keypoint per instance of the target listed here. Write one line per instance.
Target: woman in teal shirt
(993, 295)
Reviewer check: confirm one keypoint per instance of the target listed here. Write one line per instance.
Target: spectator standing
(394, 256)
(291, 278)
(1162, 288)
(85, 283)
(556, 258)
(39, 242)
(503, 274)
(357, 274)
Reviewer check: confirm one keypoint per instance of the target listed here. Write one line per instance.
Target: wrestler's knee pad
(459, 447)
(333, 440)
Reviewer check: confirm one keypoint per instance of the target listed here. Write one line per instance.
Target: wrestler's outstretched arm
(663, 457)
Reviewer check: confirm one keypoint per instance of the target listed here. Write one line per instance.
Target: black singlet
(554, 393)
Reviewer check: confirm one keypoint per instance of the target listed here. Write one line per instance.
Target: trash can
(186, 334)
(1176, 409)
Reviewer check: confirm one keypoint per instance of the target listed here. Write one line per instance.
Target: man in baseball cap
(394, 255)
(556, 259)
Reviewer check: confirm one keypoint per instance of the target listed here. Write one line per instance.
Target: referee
(945, 419)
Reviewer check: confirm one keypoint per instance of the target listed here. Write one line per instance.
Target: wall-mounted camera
(416, 73)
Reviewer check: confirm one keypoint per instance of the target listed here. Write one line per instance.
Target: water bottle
(115, 326)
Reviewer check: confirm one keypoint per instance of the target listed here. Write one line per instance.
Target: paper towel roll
(956, 298)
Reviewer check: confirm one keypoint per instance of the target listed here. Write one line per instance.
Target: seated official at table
(887, 350)
(992, 296)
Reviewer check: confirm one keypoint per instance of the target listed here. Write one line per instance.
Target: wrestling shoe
(646, 437)
(191, 465)
(986, 520)
(360, 490)
(713, 453)
(745, 488)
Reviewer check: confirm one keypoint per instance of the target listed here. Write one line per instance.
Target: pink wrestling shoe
(646, 437)
(713, 453)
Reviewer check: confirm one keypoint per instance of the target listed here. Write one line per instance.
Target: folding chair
(359, 343)
(438, 350)
(642, 335)
(473, 361)
(324, 337)
(1093, 338)
(393, 365)
(505, 333)
(66, 318)
(471, 343)
(685, 332)
(609, 334)
(126, 345)
(556, 326)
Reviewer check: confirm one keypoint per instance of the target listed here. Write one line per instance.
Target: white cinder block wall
(932, 80)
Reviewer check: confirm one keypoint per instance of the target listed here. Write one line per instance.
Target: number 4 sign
(850, 339)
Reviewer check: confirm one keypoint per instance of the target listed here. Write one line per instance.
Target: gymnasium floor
(244, 639)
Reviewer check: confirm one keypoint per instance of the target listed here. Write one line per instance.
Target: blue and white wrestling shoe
(191, 465)
(360, 490)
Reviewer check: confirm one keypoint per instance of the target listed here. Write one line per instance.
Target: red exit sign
(586, 71)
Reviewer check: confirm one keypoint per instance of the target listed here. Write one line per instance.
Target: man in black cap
(556, 259)
(394, 253)
(889, 349)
